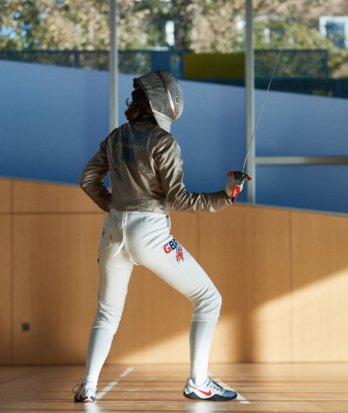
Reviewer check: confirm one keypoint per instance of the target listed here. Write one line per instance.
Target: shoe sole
(214, 398)
(76, 400)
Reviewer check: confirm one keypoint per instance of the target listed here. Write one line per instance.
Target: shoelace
(215, 385)
(84, 391)
(77, 386)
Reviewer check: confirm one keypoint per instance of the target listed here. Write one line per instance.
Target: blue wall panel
(300, 125)
(49, 118)
(313, 187)
(52, 120)
(211, 134)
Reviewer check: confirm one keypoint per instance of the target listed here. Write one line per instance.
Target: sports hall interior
(280, 263)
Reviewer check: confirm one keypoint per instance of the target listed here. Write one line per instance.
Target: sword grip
(235, 192)
(239, 178)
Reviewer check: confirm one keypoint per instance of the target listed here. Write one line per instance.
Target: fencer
(146, 173)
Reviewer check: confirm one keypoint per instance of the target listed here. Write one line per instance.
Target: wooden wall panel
(220, 238)
(5, 195)
(39, 197)
(5, 290)
(282, 274)
(246, 251)
(320, 287)
(55, 285)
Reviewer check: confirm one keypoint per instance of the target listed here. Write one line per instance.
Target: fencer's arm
(170, 166)
(92, 179)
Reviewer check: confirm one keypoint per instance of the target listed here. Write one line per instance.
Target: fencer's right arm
(170, 167)
(92, 178)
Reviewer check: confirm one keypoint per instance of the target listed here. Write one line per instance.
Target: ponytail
(132, 112)
(139, 107)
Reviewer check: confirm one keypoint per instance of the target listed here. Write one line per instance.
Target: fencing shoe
(210, 390)
(85, 394)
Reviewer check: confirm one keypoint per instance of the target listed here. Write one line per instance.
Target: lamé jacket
(146, 173)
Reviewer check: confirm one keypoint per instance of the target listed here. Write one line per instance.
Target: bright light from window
(336, 28)
(170, 38)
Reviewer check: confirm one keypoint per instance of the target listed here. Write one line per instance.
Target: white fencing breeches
(144, 238)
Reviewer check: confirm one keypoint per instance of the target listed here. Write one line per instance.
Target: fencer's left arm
(92, 178)
(170, 166)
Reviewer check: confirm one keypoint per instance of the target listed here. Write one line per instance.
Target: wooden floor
(262, 388)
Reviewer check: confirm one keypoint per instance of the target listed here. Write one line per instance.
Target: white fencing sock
(201, 337)
(98, 349)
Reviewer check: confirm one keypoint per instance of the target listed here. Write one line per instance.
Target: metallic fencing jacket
(146, 173)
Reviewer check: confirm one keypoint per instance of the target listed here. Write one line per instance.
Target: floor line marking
(114, 383)
(240, 398)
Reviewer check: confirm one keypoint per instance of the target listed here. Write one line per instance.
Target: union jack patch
(179, 253)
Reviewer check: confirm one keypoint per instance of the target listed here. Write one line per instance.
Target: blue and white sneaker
(85, 394)
(210, 390)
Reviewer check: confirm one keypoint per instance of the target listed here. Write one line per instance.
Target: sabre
(241, 176)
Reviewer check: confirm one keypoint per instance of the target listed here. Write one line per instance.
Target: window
(335, 28)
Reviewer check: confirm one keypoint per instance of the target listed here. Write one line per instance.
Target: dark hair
(139, 107)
